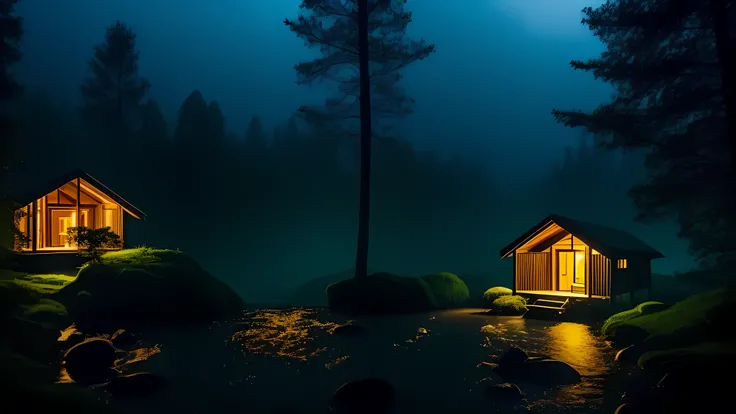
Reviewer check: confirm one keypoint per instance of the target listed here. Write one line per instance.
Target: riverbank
(673, 356)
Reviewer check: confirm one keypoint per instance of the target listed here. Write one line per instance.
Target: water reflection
(575, 344)
(288, 333)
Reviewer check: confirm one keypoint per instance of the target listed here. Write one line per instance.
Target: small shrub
(494, 293)
(509, 305)
(91, 242)
(380, 293)
(448, 289)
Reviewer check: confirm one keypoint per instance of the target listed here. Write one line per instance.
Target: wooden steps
(548, 305)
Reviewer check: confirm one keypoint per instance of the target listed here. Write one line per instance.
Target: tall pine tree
(11, 30)
(367, 37)
(671, 64)
(114, 91)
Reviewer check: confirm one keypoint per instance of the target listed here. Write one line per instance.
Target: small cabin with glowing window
(73, 200)
(561, 256)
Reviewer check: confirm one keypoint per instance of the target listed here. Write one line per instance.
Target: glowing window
(622, 264)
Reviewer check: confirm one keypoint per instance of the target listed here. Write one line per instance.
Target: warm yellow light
(575, 344)
(622, 264)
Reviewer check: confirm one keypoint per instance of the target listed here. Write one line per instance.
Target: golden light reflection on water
(575, 344)
(287, 333)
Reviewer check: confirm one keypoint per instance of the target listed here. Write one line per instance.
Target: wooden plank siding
(533, 271)
(600, 275)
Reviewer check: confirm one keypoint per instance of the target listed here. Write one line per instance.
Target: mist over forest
(215, 151)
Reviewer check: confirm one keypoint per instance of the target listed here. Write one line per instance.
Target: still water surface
(286, 361)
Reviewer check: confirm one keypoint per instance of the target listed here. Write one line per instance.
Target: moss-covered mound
(609, 326)
(513, 305)
(380, 293)
(494, 293)
(146, 286)
(313, 292)
(702, 312)
(448, 289)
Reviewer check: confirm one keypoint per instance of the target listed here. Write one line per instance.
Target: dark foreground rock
(123, 339)
(366, 396)
(506, 392)
(139, 384)
(348, 329)
(516, 365)
(90, 361)
(31, 339)
(31, 385)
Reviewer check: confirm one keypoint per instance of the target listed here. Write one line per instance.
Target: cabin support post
(513, 272)
(34, 226)
(79, 196)
(589, 271)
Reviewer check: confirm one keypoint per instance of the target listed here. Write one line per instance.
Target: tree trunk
(727, 62)
(361, 259)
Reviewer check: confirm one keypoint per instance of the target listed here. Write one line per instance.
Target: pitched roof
(607, 240)
(34, 192)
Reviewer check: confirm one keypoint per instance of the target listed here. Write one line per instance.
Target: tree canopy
(114, 90)
(671, 102)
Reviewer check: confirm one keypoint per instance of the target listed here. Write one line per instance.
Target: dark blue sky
(500, 65)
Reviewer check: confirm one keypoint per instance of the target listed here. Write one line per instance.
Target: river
(286, 361)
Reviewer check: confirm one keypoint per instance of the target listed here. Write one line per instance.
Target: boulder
(506, 392)
(348, 329)
(90, 361)
(625, 335)
(630, 354)
(123, 339)
(550, 372)
(139, 384)
(366, 396)
(33, 340)
(512, 358)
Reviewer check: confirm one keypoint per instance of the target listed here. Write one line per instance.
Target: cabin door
(571, 270)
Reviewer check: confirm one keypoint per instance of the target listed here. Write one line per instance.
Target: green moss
(139, 255)
(685, 314)
(380, 293)
(506, 304)
(496, 292)
(691, 357)
(145, 287)
(47, 306)
(44, 284)
(643, 309)
(448, 289)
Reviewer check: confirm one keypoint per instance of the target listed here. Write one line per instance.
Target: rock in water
(629, 335)
(550, 371)
(511, 362)
(90, 361)
(513, 357)
(506, 392)
(135, 385)
(366, 396)
(630, 354)
(123, 339)
(348, 329)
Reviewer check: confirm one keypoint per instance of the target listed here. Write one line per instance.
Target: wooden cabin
(72, 200)
(564, 257)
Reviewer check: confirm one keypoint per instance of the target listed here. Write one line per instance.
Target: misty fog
(481, 160)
